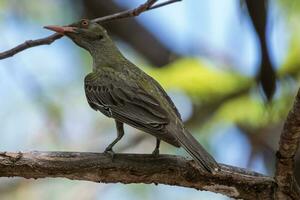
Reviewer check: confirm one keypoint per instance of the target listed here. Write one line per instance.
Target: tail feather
(194, 148)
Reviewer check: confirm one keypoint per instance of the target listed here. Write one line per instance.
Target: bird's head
(85, 33)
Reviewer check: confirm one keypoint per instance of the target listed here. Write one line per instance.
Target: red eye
(84, 23)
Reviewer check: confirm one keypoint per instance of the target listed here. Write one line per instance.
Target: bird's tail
(194, 148)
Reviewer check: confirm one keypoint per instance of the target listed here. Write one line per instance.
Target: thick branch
(136, 168)
(288, 146)
(149, 5)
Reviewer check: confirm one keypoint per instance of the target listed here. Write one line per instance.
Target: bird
(120, 90)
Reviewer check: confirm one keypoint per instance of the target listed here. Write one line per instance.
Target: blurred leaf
(199, 80)
(251, 111)
(290, 7)
(291, 65)
(242, 110)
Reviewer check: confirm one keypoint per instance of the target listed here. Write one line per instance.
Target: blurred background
(231, 67)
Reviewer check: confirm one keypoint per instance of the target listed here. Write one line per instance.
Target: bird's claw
(110, 152)
(155, 152)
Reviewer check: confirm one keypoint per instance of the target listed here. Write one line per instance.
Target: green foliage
(242, 110)
(290, 8)
(205, 85)
(291, 65)
(199, 80)
(34, 11)
(251, 111)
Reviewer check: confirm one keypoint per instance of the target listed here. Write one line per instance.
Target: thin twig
(163, 4)
(127, 13)
(28, 44)
(149, 5)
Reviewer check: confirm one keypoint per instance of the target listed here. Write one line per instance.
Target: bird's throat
(106, 56)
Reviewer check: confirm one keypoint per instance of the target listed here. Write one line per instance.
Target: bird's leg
(120, 132)
(156, 150)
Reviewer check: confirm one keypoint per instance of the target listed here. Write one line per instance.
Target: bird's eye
(84, 23)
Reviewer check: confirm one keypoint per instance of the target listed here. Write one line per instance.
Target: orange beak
(61, 29)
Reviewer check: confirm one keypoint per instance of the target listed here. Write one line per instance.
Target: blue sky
(191, 27)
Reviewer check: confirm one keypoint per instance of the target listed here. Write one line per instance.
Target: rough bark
(136, 168)
(288, 146)
(165, 169)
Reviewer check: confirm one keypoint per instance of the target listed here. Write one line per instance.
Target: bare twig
(288, 146)
(163, 4)
(149, 5)
(136, 168)
(28, 44)
(128, 13)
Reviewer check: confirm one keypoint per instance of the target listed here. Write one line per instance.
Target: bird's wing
(166, 96)
(127, 103)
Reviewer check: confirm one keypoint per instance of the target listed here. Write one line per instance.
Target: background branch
(28, 44)
(155, 52)
(136, 168)
(172, 170)
(258, 12)
(149, 5)
(48, 40)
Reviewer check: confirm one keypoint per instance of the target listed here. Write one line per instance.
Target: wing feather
(129, 104)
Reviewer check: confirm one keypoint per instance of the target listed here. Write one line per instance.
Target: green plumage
(122, 91)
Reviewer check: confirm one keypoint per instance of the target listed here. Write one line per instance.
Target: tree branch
(155, 52)
(136, 168)
(28, 44)
(148, 5)
(288, 146)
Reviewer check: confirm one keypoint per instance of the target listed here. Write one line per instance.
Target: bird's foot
(155, 152)
(110, 152)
